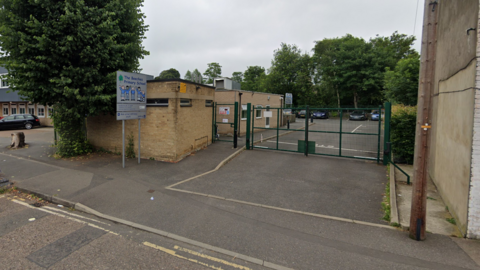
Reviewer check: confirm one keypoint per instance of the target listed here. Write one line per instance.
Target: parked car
(302, 113)
(358, 115)
(322, 114)
(375, 116)
(27, 121)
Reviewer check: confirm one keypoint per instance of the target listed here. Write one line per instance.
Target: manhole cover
(151, 191)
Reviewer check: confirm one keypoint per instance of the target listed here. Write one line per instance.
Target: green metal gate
(335, 132)
(225, 123)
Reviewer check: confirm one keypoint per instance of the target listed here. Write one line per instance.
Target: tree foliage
(237, 76)
(401, 84)
(197, 76)
(252, 77)
(213, 71)
(355, 68)
(188, 76)
(65, 54)
(169, 74)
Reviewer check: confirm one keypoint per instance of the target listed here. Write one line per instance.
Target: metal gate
(225, 122)
(341, 132)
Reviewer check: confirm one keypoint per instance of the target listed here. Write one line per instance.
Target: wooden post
(422, 132)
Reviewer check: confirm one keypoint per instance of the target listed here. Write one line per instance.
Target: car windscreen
(375, 112)
(357, 112)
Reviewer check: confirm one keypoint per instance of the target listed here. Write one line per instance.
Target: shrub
(402, 125)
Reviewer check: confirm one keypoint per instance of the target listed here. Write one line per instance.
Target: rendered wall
(452, 113)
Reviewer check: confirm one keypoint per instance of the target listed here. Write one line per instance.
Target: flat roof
(246, 91)
(179, 80)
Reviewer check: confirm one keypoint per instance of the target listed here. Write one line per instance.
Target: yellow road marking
(211, 258)
(174, 253)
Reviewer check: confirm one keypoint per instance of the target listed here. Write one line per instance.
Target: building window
(4, 83)
(31, 109)
(185, 102)
(14, 109)
(5, 109)
(244, 113)
(21, 108)
(49, 112)
(258, 111)
(157, 102)
(40, 111)
(208, 103)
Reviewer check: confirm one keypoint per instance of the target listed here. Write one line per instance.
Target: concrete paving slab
(437, 213)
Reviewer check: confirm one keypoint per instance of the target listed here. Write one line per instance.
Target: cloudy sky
(239, 33)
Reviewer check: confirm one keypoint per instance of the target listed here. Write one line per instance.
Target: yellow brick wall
(255, 98)
(168, 133)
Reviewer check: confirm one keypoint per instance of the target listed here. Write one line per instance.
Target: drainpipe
(240, 114)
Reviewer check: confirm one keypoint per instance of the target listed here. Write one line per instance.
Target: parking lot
(353, 143)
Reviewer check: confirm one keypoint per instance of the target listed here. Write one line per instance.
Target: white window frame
(183, 102)
(5, 106)
(258, 110)
(43, 111)
(244, 109)
(20, 107)
(31, 107)
(12, 108)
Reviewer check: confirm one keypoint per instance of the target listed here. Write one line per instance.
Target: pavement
(437, 213)
(280, 210)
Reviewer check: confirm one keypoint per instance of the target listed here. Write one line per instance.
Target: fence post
(386, 136)
(213, 122)
(235, 126)
(253, 125)
(278, 122)
(307, 111)
(379, 132)
(247, 136)
(340, 137)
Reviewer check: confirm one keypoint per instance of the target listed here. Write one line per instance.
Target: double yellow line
(174, 253)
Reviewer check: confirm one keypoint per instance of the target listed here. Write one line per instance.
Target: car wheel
(28, 126)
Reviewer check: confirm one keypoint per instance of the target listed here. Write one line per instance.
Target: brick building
(178, 122)
(12, 103)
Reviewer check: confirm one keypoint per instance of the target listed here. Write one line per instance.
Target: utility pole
(424, 110)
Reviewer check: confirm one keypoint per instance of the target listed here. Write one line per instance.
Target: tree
(237, 76)
(251, 78)
(401, 84)
(169, 74)
(188, 76)
(197, 76)
(66, 53)
(213, 71)
(291, 72)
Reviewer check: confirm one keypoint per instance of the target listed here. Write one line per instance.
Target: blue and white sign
(131, 115)
(131, 95)
(288, 98)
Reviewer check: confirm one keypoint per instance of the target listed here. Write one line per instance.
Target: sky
(239, 33)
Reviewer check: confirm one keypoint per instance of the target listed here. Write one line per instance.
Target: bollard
(288, 124)
(311, 119)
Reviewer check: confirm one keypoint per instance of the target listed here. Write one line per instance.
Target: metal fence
(318, 131)
(225, 122)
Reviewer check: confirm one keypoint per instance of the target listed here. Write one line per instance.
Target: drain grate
(151, 191)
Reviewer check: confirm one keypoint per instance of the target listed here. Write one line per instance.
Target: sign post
(131, 102)
(288, 99)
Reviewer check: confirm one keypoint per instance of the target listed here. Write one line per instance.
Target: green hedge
(403, 132)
